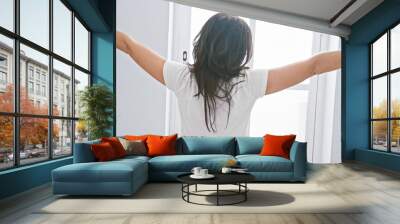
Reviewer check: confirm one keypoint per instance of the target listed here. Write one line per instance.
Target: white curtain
(323, 126)
(179, 41)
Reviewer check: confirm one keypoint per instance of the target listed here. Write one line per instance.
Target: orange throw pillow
(277, 145)
(161, 145)
(116, 145)
(136, 137)
(142, 138)
(103, 152)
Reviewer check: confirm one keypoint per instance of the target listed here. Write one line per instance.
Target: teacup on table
(203, 172)
(198, 171)
(226, 170)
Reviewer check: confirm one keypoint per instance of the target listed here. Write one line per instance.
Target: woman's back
(251, 86)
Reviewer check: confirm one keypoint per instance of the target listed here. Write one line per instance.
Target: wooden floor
(377, 188)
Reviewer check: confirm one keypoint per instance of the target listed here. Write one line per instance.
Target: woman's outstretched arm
(149, 60)
(289, 75)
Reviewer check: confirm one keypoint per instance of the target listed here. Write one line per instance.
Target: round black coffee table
(238, 179)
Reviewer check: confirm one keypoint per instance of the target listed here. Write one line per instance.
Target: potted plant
(96, 102)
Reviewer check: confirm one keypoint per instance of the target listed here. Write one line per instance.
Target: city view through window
(385, 91)
(48, 74)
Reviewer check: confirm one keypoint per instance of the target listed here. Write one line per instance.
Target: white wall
(141, 99)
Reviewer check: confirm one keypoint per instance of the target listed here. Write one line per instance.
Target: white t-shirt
(178, 79)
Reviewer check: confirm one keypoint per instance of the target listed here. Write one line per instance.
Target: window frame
(388, 74)
(16, 115)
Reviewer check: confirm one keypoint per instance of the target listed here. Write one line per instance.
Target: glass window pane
(33, 140)
(6, 142)
(7, 14)
(395, 95)
(62, 138)
(379, 98)
(379, 56)
(81, 45)
(81, 82)
(6, 74)
(379, 135)
(395, 136)
(282, 48)
(62, 29)
(34, 97)
(288, 117)
(395, 47)
(34, 16)
(81, 131)
(62, 89)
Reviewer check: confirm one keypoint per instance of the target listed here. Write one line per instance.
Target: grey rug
(166, 198)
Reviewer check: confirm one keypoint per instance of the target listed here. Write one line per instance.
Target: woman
(217, 92)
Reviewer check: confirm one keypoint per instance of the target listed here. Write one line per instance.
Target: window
(3, 61)
(3, 72)
(289, 117)
(37, 89)
(44, 91)
(39, 61)
(7, 14)
(385, 91)
(46, 76)
(38, 74)
(6, 73)
(6, 142)
(62, 137)
(34, 21)
(61, 74)
(3, 78)
(30, 72)
(62, 32)
(30, 87)
(81, 45)
(81, 81)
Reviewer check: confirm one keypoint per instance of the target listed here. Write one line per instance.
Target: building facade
(34, 81)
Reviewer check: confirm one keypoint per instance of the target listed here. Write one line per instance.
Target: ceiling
(320, 9)
(326, 16)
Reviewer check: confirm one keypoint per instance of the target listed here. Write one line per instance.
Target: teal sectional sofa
(125, 176)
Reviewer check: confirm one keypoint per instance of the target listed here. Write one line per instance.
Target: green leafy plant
(96, 103)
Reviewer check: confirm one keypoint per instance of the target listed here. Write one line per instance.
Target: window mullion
(73, 82)
(371, 140)
(16, 84)
(389, 101)
(50, 81)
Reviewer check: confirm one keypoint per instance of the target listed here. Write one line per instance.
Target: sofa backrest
(83, 152)
(193, 145)
(249, 145)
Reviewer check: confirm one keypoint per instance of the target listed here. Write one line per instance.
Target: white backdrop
(310, 110)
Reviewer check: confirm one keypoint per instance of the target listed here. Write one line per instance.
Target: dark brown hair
(221, 52)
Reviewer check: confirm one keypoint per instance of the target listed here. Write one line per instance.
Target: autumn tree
(33, 131)
(380, 127)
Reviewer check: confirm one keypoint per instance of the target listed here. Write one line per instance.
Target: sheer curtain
(323, 125)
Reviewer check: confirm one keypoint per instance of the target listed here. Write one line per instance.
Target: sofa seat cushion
(185, 163)
(112, 171)
(257, 163)
(133, 158)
